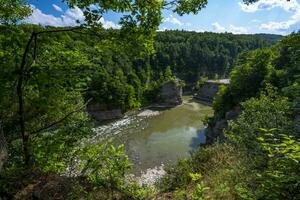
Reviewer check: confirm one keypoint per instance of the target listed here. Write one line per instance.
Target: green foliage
(198, 193)
(278, 66)
(107, 168)
(109, 66)
(12, 11)
(54, 150)
(190, 6)
(139, 20)
(104, 165)
(281, 179)
(200, 82)
(293, 93)
(218, 171)
(223, 101)
(193, 55)
(119, 90)
(115, 90)
(267, 111)
(268, 117)
(246, 80)
(177, 176)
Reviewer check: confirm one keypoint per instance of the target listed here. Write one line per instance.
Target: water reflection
(199, 139)
(160, 138)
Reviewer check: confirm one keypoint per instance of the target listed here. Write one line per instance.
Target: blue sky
(265, 16)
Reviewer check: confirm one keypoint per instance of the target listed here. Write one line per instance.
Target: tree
(280, 180)
(267, 111)
(12, 11)
(246, 80)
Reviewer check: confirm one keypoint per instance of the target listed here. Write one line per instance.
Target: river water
(152, 138)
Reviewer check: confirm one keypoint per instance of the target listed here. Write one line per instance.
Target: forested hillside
(110, 76)
(192, 55)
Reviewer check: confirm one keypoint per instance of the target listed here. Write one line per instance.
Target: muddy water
(152, 138)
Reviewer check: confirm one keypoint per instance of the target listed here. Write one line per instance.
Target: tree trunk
(20, 94)
(3, 148)
(20, 89)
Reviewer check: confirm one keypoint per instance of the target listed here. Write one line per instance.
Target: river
(152, 138)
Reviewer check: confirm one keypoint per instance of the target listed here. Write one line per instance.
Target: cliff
(216, 131)
(170, 94)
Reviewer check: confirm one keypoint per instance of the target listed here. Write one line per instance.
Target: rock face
(170, 94)
(216, 132)
(96, 111)
(209, 89)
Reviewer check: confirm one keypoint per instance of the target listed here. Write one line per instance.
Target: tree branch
(59, 30)
(61, 119)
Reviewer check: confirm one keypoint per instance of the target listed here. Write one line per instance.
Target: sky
(265, 16)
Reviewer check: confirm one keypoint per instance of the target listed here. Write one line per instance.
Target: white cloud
(291, 6)
(293, 22)
(275, 26)
(231, 29)
(75, 13)
(68, 18)
(38, 17)
(57, 8)
(175, 21)
(218, 27)
(237, 29)
(109, 24)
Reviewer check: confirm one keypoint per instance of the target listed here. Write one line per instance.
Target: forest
(49, 75)
(118, 81)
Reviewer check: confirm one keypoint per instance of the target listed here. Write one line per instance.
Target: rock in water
(170, 94)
